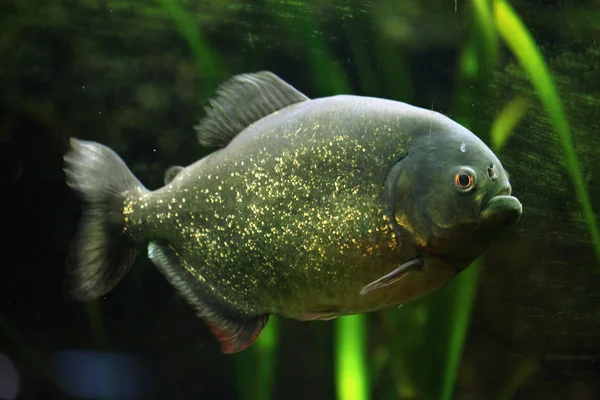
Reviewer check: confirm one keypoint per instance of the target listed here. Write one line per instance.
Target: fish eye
(465, 179)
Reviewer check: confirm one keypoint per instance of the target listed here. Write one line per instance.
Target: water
(135, 74)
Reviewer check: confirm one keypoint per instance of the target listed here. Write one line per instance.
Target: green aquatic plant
(207, 60)
(523, 372)
(504, 125)
(298, 18)
(464, 297)
(486, 35)
(519, 40)
(400, 368)
(255, 368)
(351, 354)
(266, 346)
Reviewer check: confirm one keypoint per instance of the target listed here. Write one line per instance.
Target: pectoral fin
(393, 276)
(233, 329)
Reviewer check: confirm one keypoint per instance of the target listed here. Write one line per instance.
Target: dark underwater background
(523, 323)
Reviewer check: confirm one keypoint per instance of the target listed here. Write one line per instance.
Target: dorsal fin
(241, 101)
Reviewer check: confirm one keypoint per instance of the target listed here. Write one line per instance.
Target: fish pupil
(464, 180)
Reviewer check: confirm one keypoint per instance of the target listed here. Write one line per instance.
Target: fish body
(307, 203)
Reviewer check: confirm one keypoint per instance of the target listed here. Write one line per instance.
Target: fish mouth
(502, 211)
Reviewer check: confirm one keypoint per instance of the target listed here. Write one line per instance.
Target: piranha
(309, 208)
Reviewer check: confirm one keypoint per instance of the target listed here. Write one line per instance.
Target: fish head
(452, 196)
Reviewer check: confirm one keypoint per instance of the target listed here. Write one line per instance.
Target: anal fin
(234, 330)
(235, 336)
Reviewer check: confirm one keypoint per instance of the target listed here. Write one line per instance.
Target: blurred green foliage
(518, 38)
(506, 121)
(255, 368)
(352, 375)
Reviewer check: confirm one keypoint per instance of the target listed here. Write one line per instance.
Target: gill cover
(400, 232)
(400, 207)
(390, 199)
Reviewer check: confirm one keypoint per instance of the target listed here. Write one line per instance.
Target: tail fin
(100, 254)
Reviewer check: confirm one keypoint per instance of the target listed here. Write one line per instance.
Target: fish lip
(504, 192)
(501, 211)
